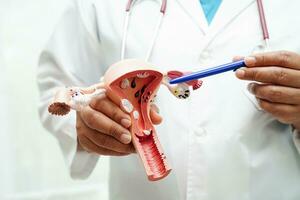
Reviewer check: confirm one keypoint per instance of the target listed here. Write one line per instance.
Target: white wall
(31, 164)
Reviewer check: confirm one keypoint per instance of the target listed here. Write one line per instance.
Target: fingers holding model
(102, 128)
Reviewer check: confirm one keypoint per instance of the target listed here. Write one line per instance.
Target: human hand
(102, 128)
(278, 90)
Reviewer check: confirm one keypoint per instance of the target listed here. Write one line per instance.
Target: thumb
(154, 116)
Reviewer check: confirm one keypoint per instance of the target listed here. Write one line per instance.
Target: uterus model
(132, 84)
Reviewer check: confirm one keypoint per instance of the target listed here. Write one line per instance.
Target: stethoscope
(130, 5)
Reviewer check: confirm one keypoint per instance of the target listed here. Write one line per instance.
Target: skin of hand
(102, 128)
(277, 83)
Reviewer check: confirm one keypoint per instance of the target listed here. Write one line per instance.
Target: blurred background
(31, 164)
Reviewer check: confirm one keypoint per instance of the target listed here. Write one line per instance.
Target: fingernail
(250, 60)
(250, 87)
(126, 123)
(240, 73)
(125, 138)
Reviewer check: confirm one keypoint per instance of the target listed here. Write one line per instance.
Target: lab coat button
(205, 55)
(204, 58)
(200, 132)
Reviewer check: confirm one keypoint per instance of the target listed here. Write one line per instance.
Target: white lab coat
(219, 143)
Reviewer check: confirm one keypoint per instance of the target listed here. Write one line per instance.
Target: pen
(210, 72)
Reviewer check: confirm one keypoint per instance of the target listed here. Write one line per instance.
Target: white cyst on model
(127, 106)
(147, 132)
(125, 83)
(136, 115)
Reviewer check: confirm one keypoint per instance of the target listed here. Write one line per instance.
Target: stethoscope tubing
(163, 8)
(263, 20)
(129, 6)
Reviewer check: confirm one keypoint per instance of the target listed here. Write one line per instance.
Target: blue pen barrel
(210, 72)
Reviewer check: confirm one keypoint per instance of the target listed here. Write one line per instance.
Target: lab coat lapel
(194, 11)
(228, 11)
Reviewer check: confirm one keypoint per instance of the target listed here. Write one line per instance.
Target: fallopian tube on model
(132, 84)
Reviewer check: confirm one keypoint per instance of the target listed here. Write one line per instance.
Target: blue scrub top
(210, 8)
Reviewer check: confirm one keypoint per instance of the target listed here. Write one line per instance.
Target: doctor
(226, 142)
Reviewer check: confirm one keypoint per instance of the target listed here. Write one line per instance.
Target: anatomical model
(132, 84)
